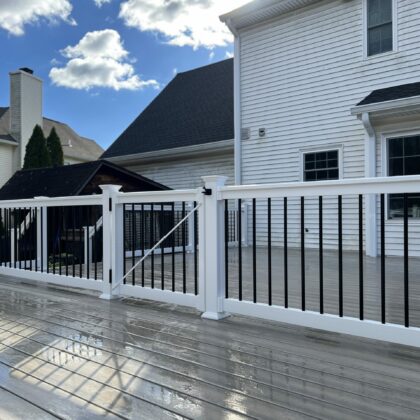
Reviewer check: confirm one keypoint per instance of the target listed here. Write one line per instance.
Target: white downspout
(370, 172)
(237, 103)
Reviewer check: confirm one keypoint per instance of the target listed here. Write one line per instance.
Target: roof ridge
(205, 66)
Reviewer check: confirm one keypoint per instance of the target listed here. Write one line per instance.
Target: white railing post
(213, 236)
(41, 236)
(111, 233)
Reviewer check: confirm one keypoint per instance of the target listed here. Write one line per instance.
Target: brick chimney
(25, 108)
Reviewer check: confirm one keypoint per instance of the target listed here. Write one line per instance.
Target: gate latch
(207, 191)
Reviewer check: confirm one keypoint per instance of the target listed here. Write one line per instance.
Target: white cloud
(211, 56)
(229, 54)
(192, 23)
(15, 14)
(98, 60)
(100, 3)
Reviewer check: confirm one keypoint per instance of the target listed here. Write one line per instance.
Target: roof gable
(392, 93)
(195, 108)
(67, 181)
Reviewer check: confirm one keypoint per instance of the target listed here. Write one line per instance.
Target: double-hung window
(404, 159)
(320, 166)
(379, 26)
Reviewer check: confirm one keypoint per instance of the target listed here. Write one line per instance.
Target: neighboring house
(330, 89)
(18, 121)
(185, 133)
(67, 181)
(74, 180)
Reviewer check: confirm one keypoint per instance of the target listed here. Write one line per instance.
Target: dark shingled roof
(392, 93)
(195, 108)
(65, 181)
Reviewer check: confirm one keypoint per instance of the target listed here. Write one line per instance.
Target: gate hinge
(110, 204)
(110, 275)
(207, 191)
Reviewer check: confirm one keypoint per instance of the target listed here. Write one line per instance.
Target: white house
(19, 119)
(329, 90)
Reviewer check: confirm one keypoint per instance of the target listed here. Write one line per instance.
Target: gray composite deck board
(142, 359)
(394, 280)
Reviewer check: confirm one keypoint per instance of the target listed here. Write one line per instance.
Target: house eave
(261, 10)
(8, 142)
(388, 107)
(218, 147)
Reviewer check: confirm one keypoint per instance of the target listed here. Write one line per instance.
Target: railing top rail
(85, 200)
(380, 185)
(158, 196)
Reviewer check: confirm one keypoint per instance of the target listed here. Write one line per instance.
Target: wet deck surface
(64, 354)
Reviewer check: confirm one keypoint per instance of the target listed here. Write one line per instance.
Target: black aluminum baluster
(226, 249)
(406, 274)
(340, 255)
(383, 308)
(124, 256)
(162, 248)
(74, 241)
(184, 267)
(88, 250)
(19, 241)
(254, 249)
(95, 242)
(81, 241)
(143, 242)
(31, 238)
(240, 246)
(361, 280)
(321, 257)
(195, 236)
(302, 252)
(66, 227)
(133, 243)
(173, 246)
(60, 227)
(152, 243)
(270, 286)
(286, 264)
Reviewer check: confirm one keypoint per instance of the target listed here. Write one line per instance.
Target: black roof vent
(27, 70)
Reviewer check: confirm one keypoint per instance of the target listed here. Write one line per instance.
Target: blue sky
(139, 43)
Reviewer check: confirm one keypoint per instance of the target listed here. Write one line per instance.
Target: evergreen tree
(37, 155)
(55, 149)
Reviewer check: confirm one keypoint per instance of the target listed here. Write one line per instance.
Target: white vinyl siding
(300, 75)
(187, 173)
(6, 163)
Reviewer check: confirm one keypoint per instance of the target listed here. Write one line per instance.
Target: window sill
(377, 57)
(401, 221)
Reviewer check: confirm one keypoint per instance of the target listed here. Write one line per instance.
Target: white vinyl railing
(207, 270)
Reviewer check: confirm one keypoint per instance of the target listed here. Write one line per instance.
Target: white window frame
(385, 136)
(332, 148)
(394, 31)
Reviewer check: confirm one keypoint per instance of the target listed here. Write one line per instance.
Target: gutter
(213, 148)
(395, 104)
(8, 142)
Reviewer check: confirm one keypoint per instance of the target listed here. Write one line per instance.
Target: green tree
(37, 155)
(55, 149)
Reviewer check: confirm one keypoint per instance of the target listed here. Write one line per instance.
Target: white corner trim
(237, 112)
